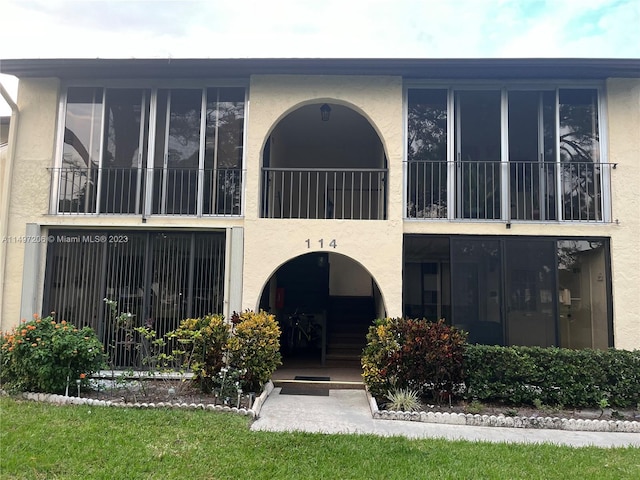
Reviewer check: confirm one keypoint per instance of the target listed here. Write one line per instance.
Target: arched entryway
(325, 303)
(324, 161)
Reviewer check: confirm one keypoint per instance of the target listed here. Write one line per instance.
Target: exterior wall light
(325, 112)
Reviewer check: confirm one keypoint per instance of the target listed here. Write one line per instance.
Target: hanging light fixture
(325, 112)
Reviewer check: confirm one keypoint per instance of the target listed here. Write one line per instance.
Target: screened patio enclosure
(507, 154)
(151, 151)
(157, 279)
(533, 291)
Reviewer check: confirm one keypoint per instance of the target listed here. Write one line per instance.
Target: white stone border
(552, 423)
(252, 412)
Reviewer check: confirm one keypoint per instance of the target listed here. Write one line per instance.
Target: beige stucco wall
(624, 149)
(34, 151)
(376, 245)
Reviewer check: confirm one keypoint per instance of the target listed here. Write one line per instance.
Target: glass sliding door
(478, 152)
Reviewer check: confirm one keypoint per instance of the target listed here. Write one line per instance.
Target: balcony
(493, 190)
(147, 191)
(322, 193)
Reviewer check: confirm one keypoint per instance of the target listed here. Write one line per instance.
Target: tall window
(81, 150)
(478, 154)
(579, 147)
(152, 151)
(532, 155)
(427, 153)
(509, 154)
(223, 150)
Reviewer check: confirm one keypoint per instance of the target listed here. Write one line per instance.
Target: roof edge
(439, 68)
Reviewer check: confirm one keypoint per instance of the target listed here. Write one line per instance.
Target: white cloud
(312, 28)
(308, 28)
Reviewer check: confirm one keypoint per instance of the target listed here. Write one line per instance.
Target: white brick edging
(552, 423)
(252, 412)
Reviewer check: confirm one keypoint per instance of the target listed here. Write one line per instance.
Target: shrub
(202, 343)
(255, 347)
(249, 344)
(382, 343)
(413, 354)
(552, 376)
(44, 355)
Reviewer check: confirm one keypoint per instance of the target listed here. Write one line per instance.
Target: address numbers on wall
(321, 243)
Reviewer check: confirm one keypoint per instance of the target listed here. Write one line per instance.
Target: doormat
(311, 379)
(311, 390)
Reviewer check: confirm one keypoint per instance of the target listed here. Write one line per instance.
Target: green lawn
(42, 441)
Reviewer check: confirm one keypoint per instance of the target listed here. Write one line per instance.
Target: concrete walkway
(348, 412)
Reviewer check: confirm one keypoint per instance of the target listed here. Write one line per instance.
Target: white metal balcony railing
(147, 191)
(319, 193)
(487, 190)
(544, 191)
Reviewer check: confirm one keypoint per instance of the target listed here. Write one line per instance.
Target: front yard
(45, 441)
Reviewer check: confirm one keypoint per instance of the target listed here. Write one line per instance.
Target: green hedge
(552, 376)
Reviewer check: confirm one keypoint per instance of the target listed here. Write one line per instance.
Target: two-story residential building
(498, 194)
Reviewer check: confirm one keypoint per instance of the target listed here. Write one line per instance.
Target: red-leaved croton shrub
(418, 354)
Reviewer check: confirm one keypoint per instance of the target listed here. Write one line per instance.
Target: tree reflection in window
(579, 145)
(427, 154)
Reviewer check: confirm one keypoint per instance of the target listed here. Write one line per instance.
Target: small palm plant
(403, 400)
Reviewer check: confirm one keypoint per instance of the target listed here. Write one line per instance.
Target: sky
(316, 29)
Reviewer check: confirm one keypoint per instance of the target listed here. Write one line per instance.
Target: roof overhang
(493, 68)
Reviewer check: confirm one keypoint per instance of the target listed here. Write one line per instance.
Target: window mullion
(151, 151)
(505, 193)
(542, 174)
(143, 119)
(216, 141)
(451, 155)
(605, 176)
(165, 156)
(457, 156)
(559, 195)
(201, 172)
(98, 188)
(54, 205)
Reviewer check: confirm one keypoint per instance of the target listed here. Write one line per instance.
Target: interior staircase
(348, 321)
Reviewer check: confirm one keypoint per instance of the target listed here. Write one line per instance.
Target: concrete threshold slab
(330, 384)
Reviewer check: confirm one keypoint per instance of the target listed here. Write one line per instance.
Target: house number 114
(331, 244)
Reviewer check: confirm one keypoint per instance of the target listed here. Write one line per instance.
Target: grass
(39, 441)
